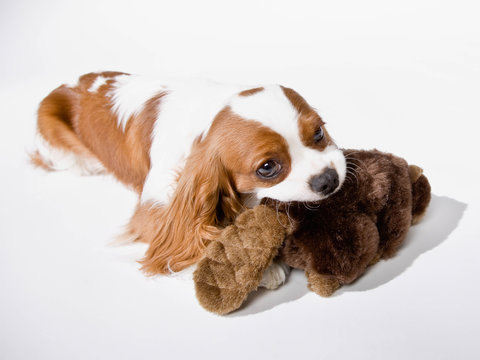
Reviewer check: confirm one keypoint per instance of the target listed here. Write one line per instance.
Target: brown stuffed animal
(233, 264)
(333, 240)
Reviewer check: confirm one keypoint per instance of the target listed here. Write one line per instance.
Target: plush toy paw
(322, 285)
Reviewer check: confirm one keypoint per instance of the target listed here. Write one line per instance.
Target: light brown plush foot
(321, 285)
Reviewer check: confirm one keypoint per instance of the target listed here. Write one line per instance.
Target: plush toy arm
(234, 263)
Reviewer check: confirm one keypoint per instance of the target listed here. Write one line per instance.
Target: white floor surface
(402, 78)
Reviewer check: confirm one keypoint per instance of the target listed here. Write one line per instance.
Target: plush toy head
(333, 240)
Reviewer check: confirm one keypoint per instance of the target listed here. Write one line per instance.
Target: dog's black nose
(325, 183)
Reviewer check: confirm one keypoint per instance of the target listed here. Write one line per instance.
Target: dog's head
(276, 145)
(267, 142)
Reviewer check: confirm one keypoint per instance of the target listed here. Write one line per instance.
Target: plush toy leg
(320, 284)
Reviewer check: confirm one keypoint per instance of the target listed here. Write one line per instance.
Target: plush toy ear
(233, 264)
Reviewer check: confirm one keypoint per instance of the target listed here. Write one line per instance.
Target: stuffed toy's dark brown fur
(367, 220)
(333, 240)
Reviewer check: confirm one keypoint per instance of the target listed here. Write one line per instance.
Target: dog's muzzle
(325, 183)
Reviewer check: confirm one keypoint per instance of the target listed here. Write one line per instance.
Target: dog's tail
(57, 145)
(421, 193)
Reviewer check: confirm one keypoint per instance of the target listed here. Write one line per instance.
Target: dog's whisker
(288, 214)
(310, 206)
(351, 173)
(277, 207)
(352, 170)
(361, 163)
(348, 179)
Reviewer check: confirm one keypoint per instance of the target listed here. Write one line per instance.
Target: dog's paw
(274, 275)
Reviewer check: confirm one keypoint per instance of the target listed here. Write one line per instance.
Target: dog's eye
(270, 169)
(318, 136)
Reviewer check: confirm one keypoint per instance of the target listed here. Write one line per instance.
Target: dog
(196, 152)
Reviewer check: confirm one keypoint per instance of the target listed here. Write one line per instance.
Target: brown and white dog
(196, 152)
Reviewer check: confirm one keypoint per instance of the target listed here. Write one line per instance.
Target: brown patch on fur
(87, 80)
(244, 146)
(83, 122)
(308, 121)
(57, 115)
(220, 166)
(251, 91)
(125, 153)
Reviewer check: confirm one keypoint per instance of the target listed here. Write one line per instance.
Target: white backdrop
(403, 78)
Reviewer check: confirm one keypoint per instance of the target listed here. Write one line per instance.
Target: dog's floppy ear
(204, 198)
